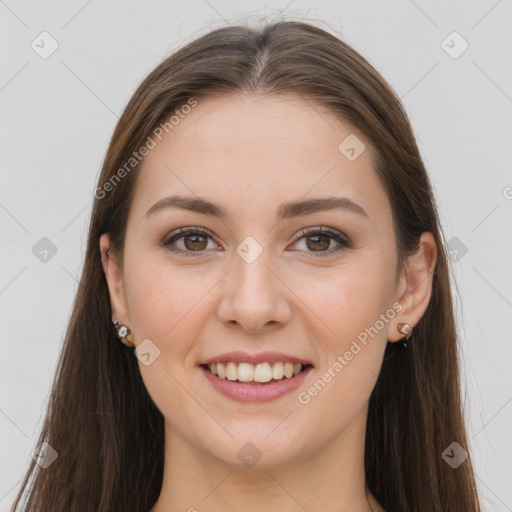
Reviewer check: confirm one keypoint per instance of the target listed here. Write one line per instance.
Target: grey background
(58, 115)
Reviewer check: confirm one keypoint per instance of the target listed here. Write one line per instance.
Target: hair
(108, 433)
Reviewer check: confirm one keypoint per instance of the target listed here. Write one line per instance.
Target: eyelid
(334, 233)
(187, 230)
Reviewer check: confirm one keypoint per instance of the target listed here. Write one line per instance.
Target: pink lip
(262, 357)
(243, 392)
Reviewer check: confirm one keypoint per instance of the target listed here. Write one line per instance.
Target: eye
(317, 240)
(188, 241)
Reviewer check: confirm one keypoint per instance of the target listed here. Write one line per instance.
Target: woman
(265, 241)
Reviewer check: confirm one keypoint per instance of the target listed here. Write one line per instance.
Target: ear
(415, 286)
(114, 275)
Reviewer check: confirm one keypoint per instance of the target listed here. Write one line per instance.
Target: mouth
(265, 378)
(256, 374)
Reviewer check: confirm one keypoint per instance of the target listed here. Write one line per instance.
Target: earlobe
(415, 288)
(114, 278)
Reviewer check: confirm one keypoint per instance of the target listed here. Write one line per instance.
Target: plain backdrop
(58, 112)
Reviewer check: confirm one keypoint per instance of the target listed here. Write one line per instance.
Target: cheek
(355, 310)
(346, 301)
(166, 308)
(164, 302)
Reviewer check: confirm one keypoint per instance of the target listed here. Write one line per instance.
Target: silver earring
(122, 332)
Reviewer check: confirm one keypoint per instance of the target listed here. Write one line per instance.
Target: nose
(254, 297)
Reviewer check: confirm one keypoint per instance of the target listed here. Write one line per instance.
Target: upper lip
(262, 357)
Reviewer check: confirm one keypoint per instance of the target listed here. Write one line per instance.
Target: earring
(406, 329)
(122, 332)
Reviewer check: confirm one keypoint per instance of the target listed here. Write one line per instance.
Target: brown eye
(195, 242)
(188, 241)
(318, 242)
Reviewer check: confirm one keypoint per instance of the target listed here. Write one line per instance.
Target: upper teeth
(247, 372)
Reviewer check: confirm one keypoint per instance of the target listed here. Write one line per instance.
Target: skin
(251, 154)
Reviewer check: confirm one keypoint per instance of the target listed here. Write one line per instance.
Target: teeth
(245, 372)
(278, 371)
(231, 371)
(262, 372)
(288, 370)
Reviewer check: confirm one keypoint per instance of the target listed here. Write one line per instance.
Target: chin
(258, 448)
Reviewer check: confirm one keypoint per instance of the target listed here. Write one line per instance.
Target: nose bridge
(252, 277)
(254, 296)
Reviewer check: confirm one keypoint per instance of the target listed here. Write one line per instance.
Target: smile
(250, 377)
(260, 373)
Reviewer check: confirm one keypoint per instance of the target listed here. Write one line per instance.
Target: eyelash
(344, 242)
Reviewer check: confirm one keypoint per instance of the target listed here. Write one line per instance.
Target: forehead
(248, 152)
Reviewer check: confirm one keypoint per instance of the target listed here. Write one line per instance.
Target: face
(263, 284)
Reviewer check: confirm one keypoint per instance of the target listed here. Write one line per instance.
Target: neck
(329, 479)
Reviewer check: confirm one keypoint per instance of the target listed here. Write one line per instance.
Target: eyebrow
(286, 210)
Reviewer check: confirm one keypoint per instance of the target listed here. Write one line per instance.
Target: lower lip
(255, 392)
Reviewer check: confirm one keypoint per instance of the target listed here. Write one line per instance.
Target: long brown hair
(108, 433)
